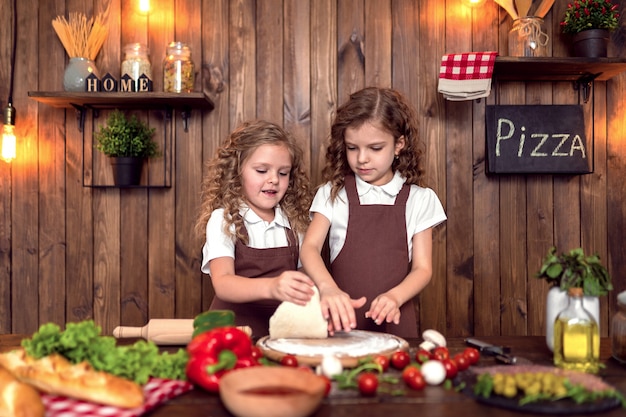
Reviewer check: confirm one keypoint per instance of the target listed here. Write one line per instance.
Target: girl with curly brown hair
(255, 201)
(377, 215)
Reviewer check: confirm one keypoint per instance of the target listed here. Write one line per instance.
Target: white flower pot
(556, 302)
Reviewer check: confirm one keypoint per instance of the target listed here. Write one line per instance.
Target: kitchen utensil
(501, 353)
(509, 7)
(523, 6)
(348, 347)
(543, 8)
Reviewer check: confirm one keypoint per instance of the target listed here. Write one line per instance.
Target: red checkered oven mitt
(156, 392)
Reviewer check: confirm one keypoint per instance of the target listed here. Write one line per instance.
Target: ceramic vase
(76, 72)
(556, 302)
(592, 43)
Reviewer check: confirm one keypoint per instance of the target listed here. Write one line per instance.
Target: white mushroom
(331, 366)
(434, 337)
(427, 345)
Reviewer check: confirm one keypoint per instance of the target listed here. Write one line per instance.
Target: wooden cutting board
(349, 347)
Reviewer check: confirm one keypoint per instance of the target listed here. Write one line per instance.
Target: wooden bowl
(271, 391)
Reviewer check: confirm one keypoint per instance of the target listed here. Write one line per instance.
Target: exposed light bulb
(473, 3)
(144, 6)
(8, 135)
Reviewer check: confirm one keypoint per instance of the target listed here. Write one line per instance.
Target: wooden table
(432, 402)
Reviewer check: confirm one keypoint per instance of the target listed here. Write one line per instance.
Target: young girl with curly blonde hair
(377, 215)
(255, 202)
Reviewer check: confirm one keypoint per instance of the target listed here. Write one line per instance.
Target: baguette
(18, 399)
(55, 375)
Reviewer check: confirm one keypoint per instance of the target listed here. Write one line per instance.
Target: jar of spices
(528, 37)
(178, 69)
(136, 61)
(618, 330)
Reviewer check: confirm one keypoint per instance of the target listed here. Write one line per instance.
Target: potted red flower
(590, 22)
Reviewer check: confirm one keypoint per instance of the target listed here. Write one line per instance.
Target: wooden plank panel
(486, 265)
(242, 44)
(323, 81)
(216, 125)
(106, 204)
(270, 45)
(134, 203)
(378, 29)
(161, 203)
(459, 191)
(350, 55)
(6, 180)
(51, 136)
(297, 107)
(431, 108)
(25, 204)
(594, 228)
(188, 177)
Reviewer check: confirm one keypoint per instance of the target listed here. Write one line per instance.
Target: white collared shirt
(423, 208)
(261, 234)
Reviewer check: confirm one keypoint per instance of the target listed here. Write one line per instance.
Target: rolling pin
(164, 331)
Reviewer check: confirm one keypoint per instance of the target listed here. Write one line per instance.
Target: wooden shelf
(66, 99)
(557, 69)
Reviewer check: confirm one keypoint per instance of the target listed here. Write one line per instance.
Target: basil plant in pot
(127, 141)
(590, 23)
(572, 269)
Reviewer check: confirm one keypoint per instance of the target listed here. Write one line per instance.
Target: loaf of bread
(295, 321)
(54, 374)
(18, 399)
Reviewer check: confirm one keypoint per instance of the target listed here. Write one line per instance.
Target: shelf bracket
(80, 116)
(186, 115)
(584, 83)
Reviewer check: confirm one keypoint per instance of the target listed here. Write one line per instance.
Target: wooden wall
(69, 252)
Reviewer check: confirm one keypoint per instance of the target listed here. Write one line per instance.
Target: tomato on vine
(368, 384)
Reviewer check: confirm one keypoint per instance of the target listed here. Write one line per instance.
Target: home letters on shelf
(109, 84)
(536, 139)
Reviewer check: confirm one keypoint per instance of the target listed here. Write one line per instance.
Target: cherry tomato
(416, 381)
(400, 359)
(383, 361)
(441, 353)
(451, 368)
(422, 356)
(409, 371)
(368, 384)
(289, 360)
(461, 362)
(257, 353)
(472, 355)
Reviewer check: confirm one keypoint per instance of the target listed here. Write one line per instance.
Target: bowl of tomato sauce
(276, 391)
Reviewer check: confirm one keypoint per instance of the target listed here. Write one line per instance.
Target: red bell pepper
(216, 352)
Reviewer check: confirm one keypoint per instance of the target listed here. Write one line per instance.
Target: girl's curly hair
(222, 188)
(387, 109)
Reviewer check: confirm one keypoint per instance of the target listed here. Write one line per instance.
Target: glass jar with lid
(528, 37)
(178, 69)
(136, 61)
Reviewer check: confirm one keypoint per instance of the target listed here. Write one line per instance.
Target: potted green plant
(127, 141)
(590, 22)
(572, 269)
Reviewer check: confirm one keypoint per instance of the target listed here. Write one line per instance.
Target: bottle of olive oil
(576, 336)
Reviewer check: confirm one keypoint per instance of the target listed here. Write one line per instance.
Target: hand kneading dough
(294, 321)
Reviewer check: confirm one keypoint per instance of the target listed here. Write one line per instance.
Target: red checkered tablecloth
(156, 391)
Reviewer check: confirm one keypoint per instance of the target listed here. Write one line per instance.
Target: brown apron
(259, 263)
(375, 257)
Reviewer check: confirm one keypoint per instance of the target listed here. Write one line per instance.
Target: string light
(144, 6)
(473, 3)
(8, 151)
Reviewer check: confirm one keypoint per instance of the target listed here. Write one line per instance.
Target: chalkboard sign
(537, 140)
